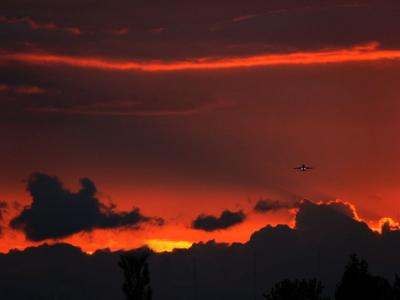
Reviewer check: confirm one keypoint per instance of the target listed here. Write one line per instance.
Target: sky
(167, 123)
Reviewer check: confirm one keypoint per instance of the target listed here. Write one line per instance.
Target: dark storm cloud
(318, 246)
(56, 212)
(226, 220)
(266, 205)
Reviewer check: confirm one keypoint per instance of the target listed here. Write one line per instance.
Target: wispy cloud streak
(35, 25)
(22, 89)
(115, 109)
(363, 53)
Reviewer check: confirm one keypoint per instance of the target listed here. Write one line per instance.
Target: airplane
(303, 168)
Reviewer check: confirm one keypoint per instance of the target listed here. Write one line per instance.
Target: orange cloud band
(368, 52)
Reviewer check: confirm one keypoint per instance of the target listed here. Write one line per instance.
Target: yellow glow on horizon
(167, 245)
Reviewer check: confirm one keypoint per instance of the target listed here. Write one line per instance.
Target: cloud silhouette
(331, 217)
(266, 205)
(225, 220)
(56, 212)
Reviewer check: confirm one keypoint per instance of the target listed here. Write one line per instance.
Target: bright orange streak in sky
(368, 52)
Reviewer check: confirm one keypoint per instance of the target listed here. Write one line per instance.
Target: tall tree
(358, 284)
(136, 273)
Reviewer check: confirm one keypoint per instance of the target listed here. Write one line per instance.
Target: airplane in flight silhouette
(303, 168)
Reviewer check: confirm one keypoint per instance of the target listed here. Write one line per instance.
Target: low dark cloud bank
(225, 220)
(319, 246)
(56, 212)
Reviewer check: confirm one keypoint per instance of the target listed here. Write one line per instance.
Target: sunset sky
(186, 110)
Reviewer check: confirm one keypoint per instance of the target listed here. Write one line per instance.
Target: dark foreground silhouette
(136, 273)
(357, 283)
(297, 289)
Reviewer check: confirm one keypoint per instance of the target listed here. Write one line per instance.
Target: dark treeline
(357, 283)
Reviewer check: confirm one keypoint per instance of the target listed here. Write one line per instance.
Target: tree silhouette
(136, 273)
(396, 288)
(296, 290)
(358, 284)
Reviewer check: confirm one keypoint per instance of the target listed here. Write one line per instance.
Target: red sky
(210, 113)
